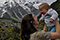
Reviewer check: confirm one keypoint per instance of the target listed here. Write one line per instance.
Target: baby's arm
(41, 18)
(54, 16)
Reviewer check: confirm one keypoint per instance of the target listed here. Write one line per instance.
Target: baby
(48, 15)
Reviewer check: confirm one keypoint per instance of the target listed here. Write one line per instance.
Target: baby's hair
(44, 6)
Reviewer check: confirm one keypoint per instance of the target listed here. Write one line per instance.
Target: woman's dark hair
(27, 28)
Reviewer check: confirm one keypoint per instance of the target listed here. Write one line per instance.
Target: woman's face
(35, 21)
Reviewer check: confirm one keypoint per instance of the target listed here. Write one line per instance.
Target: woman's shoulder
(40, 35)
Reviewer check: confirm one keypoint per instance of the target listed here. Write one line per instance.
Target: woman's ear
(30, 21)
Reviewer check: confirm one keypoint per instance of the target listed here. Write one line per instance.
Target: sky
(48, 1)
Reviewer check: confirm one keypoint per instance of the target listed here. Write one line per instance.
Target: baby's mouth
(42, 13)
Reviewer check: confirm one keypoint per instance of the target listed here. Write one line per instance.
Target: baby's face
(43, 11)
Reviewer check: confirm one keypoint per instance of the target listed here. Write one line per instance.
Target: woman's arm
(46, 35)
(45, 28)
(56, 34)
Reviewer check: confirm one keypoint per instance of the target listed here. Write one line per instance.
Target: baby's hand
(40, 20)
(51, 20)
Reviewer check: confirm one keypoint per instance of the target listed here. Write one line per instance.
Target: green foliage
(10, 33)
(40, 26)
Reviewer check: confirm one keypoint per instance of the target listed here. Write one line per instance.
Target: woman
(29, 31)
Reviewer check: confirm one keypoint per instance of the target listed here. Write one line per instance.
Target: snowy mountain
(16, 9)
